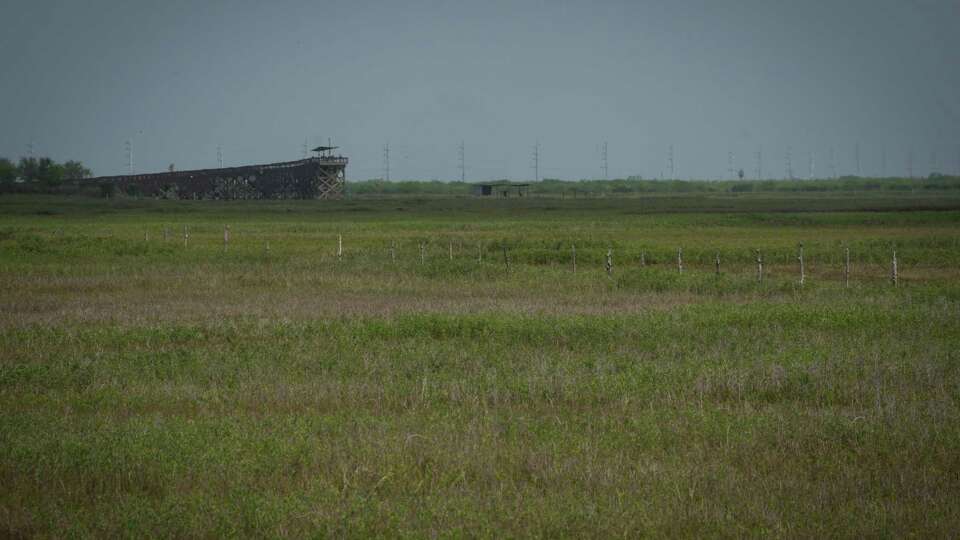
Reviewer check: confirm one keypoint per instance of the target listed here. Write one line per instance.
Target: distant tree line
(42, 174)
(636, 185)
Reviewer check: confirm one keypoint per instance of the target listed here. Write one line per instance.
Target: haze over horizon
(179, 79)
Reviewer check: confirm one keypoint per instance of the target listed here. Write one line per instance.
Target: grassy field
(270, 388)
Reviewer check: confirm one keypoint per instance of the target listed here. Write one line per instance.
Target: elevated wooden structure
(500, 189)
(321, 177)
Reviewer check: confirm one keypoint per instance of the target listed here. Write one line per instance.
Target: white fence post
(846, 267)
(759, 267)
(894, 276)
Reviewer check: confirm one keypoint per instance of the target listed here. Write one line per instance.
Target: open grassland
(152, 388)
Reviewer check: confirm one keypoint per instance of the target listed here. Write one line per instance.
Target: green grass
(152, 389)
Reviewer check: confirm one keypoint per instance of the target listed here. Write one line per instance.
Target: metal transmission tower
(833, 164)
(536, 161)
(461, 163)
(603, 160)
(30, 149)
(386, 162)
(730, 174)
(129, 148)
(670, 163)
(219, 156)
(883, 162)
(304, 148)
(810, 164)
(760, 163)
(789, 163)
(933, 162)
(856, 156)
(909, 163)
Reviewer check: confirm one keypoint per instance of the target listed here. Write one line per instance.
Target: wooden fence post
(166, 234)
(479, 252)
(422, 256)
(506, 258)
(718, 263)
(226, 237)
(574, 257)
(451, 250)
(643, 258)
(339, 247)
(186, 235)
(846, 267)
(800, 258)
(393, 251)
(680, 260)
(608, 264)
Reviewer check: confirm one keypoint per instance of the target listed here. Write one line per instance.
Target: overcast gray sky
(709, 77)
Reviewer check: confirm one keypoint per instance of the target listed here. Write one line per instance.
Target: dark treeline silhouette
(628, 186)
(39, 175)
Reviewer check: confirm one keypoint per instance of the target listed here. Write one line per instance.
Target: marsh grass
(152, 390)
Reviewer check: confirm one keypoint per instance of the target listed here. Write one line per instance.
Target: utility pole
(730, 165)
(129, 147)
(670, 163)
(856, 156)
(30, 150)
(603, 161)
(810, 164)
(883, 162)
(386, 162)
(219, 156)
(536, 161)
(909, 163)
(463, 169)
(933, 162)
